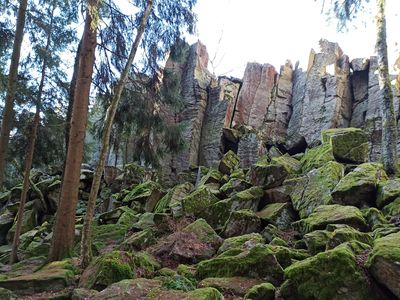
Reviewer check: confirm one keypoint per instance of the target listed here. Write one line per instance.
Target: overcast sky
(271, 31)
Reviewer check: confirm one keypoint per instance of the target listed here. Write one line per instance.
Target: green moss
(237, 286)
(349, 145)
(203, 231)
(145, 264)
(387, 247)
(104, 234)
(241, 222)
(198, 201)
(263, 291)
(279, 214)
(208, 293)
(316, 157)
(234, 185)
(250, 263)
(217, 214)
(139, 240)
(316, 240)
(141, 192)
(178, 282)
(247, 199)
(278, 242)
(329, 275)
(267, 176)
(392, 209)
(229, 162)
(388, 191)
(374, 217)
(359, 187)
(292, 165)
(7, 294)
(333, 214)
(107, 269)
(347, 234)
(213, 176)
(127, 217)
(239, 241)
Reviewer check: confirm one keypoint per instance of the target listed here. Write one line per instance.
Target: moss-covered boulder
(103, 235)
(247, 199)
(263, 291)
(173, 199)
(7, 294)
(28, 223)
(240, 241)
(333, 214)
(233, 186)
(315, 188)
(218, 213)
(241, 222)
(344, 233)
(123, 214)
(374, 217)
(213, 176)
(388, 191)
(279, 214)
(349, 145)
(316, 240)
(267, 175)
(292, 165)
(333, 274)
(148, 194)
(127, 289)
(316, 157)
(256, 262)
(52, 277)
(198, 201)
(229, 162)
(115, 266)
(392, 209)
(208, 293)
(237, 286)
(384, 262)
(204, 232)
(359, 187)
(138, 240)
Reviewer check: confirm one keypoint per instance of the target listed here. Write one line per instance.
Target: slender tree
(86, 232)
(8, 113)
(64, 228)
(32, 141)
(346, 11)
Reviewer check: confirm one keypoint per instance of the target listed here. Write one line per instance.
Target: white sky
(271, 31)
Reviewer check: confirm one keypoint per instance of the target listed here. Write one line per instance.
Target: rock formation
(288, 109)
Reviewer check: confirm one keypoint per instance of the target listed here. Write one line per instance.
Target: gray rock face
(326, 102)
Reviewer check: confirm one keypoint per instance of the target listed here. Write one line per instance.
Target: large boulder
(241, 241)
(263, 291)
(247, 199)
(237, 286)
(384, 262)
(148, 194)
(241, 222)
(316, 157)
(228, 163)
(333, 214)
(198, 201)
(51, 278)
(333, 274)
(388, 191)
(279, 214)
(359, 187)
(267, 175)
(349, 145)
(314, 189)
(129, 289)
(256, 262)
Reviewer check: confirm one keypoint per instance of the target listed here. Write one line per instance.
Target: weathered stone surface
(218, 115)
(384, 262)
(326, 102)
(198, 201)
(359, 187)
(255, 94)
(251, 263)
(349, 145)
(247, 199)
(250, 149)
(263, 291)
(388, 191)
(279, 214)
(241, 241)
(129, 289)
(241, 222)
(314, 189)
(267, 175)
(279, 109)
(233, 285)
(333, 214)
(333, 274)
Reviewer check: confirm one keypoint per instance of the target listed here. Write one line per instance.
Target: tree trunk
(31, 146)
(71, 95)
(25, 185)
(86, 254)
(8, 114)
(64, 228)
(389, 128)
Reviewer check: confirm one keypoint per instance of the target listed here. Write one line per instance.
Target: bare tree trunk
(8, 114)
(31, 146)
(71, 95)
(389, 128)
(64, 228)
(86, 254)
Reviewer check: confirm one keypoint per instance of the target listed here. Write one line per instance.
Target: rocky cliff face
(287, 109)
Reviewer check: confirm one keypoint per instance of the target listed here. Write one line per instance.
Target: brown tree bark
(86, 254)
(389, 127)
(31, 146)
(64, 228)
(8, 114)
